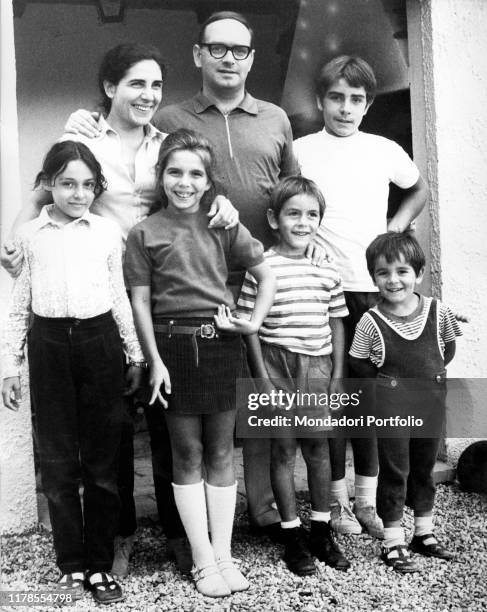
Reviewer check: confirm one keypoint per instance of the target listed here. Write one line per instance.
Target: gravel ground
(154, 584)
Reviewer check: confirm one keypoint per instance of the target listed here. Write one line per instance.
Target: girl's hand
(11, 258)
(228, 323)
(159, 376)
(83, 122)
(11, 393)
(222, 213)
(133, 379)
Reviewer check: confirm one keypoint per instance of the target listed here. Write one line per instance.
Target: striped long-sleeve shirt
(306, 297)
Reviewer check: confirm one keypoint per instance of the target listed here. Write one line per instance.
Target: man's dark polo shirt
(253, 150)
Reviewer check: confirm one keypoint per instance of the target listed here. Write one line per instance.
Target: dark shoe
(104, 588)
(324, 547)
(273, 531)
(296, 554)
(399, 559)
(73, 584)
(180, 550)
(429, 546)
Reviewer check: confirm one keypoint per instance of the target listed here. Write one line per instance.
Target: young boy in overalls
(409, 339)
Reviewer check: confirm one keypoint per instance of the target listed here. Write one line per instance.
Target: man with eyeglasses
(252, 139)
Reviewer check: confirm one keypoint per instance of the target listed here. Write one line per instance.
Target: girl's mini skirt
(203, 371)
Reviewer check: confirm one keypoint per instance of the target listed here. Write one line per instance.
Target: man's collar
(45, 219)
(248, 104)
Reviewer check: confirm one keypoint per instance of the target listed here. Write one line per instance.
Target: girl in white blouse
(72, 283)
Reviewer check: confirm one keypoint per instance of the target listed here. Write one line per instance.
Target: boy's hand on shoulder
(231, 324)
(133, 379)
(317, 255)
(459, 316)
(11, 393)
(222, 213)
(158, 377)
(11, 258)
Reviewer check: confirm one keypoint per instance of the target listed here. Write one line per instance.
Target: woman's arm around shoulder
(10, 254)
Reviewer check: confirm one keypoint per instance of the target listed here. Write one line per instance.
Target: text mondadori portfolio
(297, 420)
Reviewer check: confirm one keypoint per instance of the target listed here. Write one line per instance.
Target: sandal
(73, 583)
(429, 546)
(234, 578)
(210, 582)
(104, 588)
(399, 559)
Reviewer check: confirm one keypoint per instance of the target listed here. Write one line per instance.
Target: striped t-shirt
(306, 297)
(368, 344)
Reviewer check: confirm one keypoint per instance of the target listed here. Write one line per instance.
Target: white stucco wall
(455, 60)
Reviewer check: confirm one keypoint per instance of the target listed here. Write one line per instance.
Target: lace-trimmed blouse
(72, 270)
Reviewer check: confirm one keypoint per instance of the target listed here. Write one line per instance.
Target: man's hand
(317, 254)
(222, 213)
(159, 376)
(133, 379)
(226, 322)
(83, 122)
(11, 258)
(11, 393)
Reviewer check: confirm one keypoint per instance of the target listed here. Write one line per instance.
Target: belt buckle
(207, 330)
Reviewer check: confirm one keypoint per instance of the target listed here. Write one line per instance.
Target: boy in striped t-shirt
(302, 346)
(406, 340)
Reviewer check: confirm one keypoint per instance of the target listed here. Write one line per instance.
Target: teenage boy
(353, 169)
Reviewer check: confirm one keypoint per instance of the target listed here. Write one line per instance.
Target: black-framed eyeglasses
(219, 50)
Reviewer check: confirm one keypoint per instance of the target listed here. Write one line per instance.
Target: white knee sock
(221, 503)
(339, 491)
(365, 490)
(191, 504)
(423, 525)
(393, 536)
